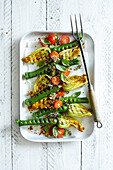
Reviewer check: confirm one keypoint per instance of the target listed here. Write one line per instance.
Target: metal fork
(92, 96)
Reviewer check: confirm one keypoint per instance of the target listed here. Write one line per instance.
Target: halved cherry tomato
(44, 45)
(51, 38)
(65, 39)
(56, 80)
(54, 55)
(61, 132)
(57, 104)
(66, 73)
(60, 93)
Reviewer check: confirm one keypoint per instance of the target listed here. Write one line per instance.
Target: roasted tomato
(65, 39)
(66, 73)
(57, 104)
(51, 131)
(60, 93)
(54, 55)
(61, 132)
(56, 80)
(51, 38)
(44, 45)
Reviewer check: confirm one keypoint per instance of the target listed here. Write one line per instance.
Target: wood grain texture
(19, 17)
(26, 16)
(5, 85)
(96, 152)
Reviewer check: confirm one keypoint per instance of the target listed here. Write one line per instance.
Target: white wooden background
(20, 16)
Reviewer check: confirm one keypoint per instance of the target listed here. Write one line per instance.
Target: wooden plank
(96, 151)
(26, 16)
(5, 85)
(62, 155)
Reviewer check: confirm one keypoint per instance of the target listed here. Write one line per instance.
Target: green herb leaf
(76, 94)
(55, 131)
(45, 41)
(46, 128)
(63, 77)
(65, 132)
(60, 67)
(56, 36)
(65, 62)
(41, 63)
(52, 46)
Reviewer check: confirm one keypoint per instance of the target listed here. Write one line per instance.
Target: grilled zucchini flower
(41, 54)
(41, 84)
(78, 110)
(74, 82)
(69, 54)
(66, 122)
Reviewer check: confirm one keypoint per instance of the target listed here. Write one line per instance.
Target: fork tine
(71, 25)
(81, 25)
(76, 27)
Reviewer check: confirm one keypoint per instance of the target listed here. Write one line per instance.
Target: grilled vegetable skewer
(40, 113)
(41, 95)
(37, 121)
(74, 100)
(66, 46)
(63, 122)
(47, 69)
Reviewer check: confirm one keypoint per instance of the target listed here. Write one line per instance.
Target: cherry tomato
(60, 93)
(51, 38)
(56, 80)
(65, 39)
(61, 132)
(57, 104)
(51, 131)
(66, 73)
(54, 55)
(44, 45)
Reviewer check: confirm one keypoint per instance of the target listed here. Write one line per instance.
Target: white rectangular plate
(28, 44)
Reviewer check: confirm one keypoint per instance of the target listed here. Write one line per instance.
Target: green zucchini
(37, 121)
(74, 100)
(41, 95)
(40, 113)
(66, 46)
(44, 70)
(47, 69)
(74, 62)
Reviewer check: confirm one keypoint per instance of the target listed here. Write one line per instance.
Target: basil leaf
(56, 36)
(45, 41)
(76, 94)
(52, 46)
(65, 62)
(65, 132)
(46, 128)
(55, 131)
(63, 77)
(60, 67)
(41, 63)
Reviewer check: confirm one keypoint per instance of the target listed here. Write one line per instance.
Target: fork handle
(94, 105)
